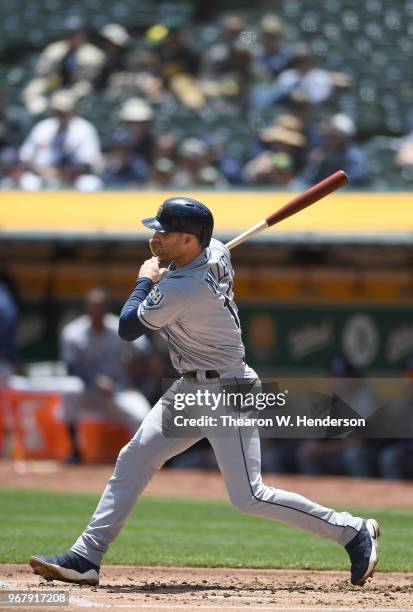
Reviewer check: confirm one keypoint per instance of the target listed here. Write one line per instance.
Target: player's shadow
(185, 587)
(173, 589)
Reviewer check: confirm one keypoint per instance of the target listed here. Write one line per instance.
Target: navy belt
(208, 374)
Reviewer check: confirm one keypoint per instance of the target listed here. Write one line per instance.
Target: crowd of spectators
(287, 135)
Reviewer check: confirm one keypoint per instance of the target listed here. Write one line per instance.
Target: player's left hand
(150, 269)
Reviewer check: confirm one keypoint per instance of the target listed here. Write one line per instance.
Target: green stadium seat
(331, 6)
(331, 31)
(373, 7)
(293, 9)
(380, 154)
(350, 21)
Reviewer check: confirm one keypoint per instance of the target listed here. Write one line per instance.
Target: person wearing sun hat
(115, 42)
(62, 147)
(273, 54)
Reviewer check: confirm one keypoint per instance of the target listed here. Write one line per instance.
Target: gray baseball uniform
(193, 307)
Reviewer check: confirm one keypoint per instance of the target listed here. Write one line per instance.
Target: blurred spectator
(62, 149)
(123, 167)
(165, 156)
(278, 455)
(93, 351)
(14, 123)
(72, 63)
(284, 135)
(227, 72)
(404, 157)
(9, 168)
(8, 327)
(136, 116)
(199, 457)
(195, 166)
(276, 169)
(273, 54)
(230, 165)
(300, 107)
(336, 151)
(165, 146)
(210, 176)
(149, 374)
(216, 57)
(396, 458)
(232, 25)
(348, 456)
(231, 77)
(162, 174)
(174, 49)
(3, 121)
(142, 78)
(179, 63)
(115, 44)
(315, 83)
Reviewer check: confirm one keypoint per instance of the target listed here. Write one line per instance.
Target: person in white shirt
(93, 351)
(60, 149)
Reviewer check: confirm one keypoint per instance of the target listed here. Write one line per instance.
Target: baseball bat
(305, 199)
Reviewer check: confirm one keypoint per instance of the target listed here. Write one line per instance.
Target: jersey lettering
(227, 304)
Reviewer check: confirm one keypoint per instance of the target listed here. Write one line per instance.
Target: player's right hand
(104, 384)
(150, 269)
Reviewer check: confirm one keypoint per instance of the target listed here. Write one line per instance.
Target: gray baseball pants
(239, 458)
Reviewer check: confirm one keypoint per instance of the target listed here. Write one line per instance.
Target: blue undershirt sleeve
(130, 327)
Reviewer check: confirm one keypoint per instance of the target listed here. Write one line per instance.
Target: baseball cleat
(67, 567)
(362, 551)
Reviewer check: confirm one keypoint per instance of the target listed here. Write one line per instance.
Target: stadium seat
(373, 7)
(381, 155)
(350, 21)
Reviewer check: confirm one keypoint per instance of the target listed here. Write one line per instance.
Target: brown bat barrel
(313, 194)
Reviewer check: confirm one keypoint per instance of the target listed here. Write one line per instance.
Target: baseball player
(192, 304)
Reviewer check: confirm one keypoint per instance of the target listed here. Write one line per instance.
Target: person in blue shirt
(336, 150)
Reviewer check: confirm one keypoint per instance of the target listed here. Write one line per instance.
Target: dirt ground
(145, 588)
(149, 588)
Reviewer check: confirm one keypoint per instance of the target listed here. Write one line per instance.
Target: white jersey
(47, 143)
(194, 306)
(90, 353)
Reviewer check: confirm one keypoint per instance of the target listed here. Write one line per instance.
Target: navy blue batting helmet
(186, 215)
